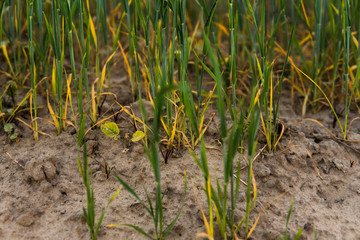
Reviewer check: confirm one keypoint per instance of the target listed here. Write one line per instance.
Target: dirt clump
(40, 169)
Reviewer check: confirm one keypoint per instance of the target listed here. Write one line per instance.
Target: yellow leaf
(53, 115)
(68, 96)
(53, 77)
(93, 102)
(115, 194)
(7, 59)
(112, 225)
(104, 70)
(355, 40)
(137, 136)
(335, 9)
(92, 27)
(110, 129)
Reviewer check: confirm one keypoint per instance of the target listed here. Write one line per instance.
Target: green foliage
(13, 136)
(172, 51)
(286, 235)
(9, 128)
(154, 209)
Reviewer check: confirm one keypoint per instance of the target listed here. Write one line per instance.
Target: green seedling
(111, 130)
(154, 208)
(9, 129)
(235, 46)
(106, 168)
(286, 235)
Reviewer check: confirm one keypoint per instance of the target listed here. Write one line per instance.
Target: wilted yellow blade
(7, 59)
(335, 9)
(103, 73)
(93, 102)
(68, 96)
(355, 40)
(53, 115)
(53, 79)
(207, 227)
(113, 225)
(92, 27)
(115, 194)
(126, 62)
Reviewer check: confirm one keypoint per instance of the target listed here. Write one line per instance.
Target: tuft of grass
(54, 50)
(155, 210)
(33, 97)
(287, 236)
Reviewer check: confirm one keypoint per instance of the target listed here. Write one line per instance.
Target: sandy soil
(44, 198)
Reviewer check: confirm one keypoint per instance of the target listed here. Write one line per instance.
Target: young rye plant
(53, 50)
(286, 234)
(155, 210)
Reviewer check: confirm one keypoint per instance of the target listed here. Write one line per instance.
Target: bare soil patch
(44, 199)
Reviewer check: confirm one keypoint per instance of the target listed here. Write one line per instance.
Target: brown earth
(44, 196)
